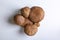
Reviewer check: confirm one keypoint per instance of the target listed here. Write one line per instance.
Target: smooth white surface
(50, 26)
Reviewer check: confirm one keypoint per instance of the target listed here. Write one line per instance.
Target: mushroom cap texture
(19, 19)
(36, 14)
(25, 11)
(30, 30)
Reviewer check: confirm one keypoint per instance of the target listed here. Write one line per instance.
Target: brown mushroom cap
(25, 11)
(19, 19)
(30, 30)
(36, 14)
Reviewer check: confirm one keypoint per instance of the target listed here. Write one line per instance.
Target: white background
(49, 28)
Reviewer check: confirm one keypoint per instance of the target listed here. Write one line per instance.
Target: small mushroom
(36, 14)
(25, 11)
(30, 30)
(20, 20)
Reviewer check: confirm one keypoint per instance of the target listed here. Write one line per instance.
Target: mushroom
(30, 30)
(19, 19)
(29, 19)
(36, 14)
(25, 11)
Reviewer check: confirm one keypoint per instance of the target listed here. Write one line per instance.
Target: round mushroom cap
(19, 19)
(25, 11)
(30, 30)
(36, 14)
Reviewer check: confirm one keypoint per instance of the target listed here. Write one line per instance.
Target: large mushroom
(36, 14)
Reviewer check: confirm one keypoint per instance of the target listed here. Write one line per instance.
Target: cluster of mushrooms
(29, 19)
